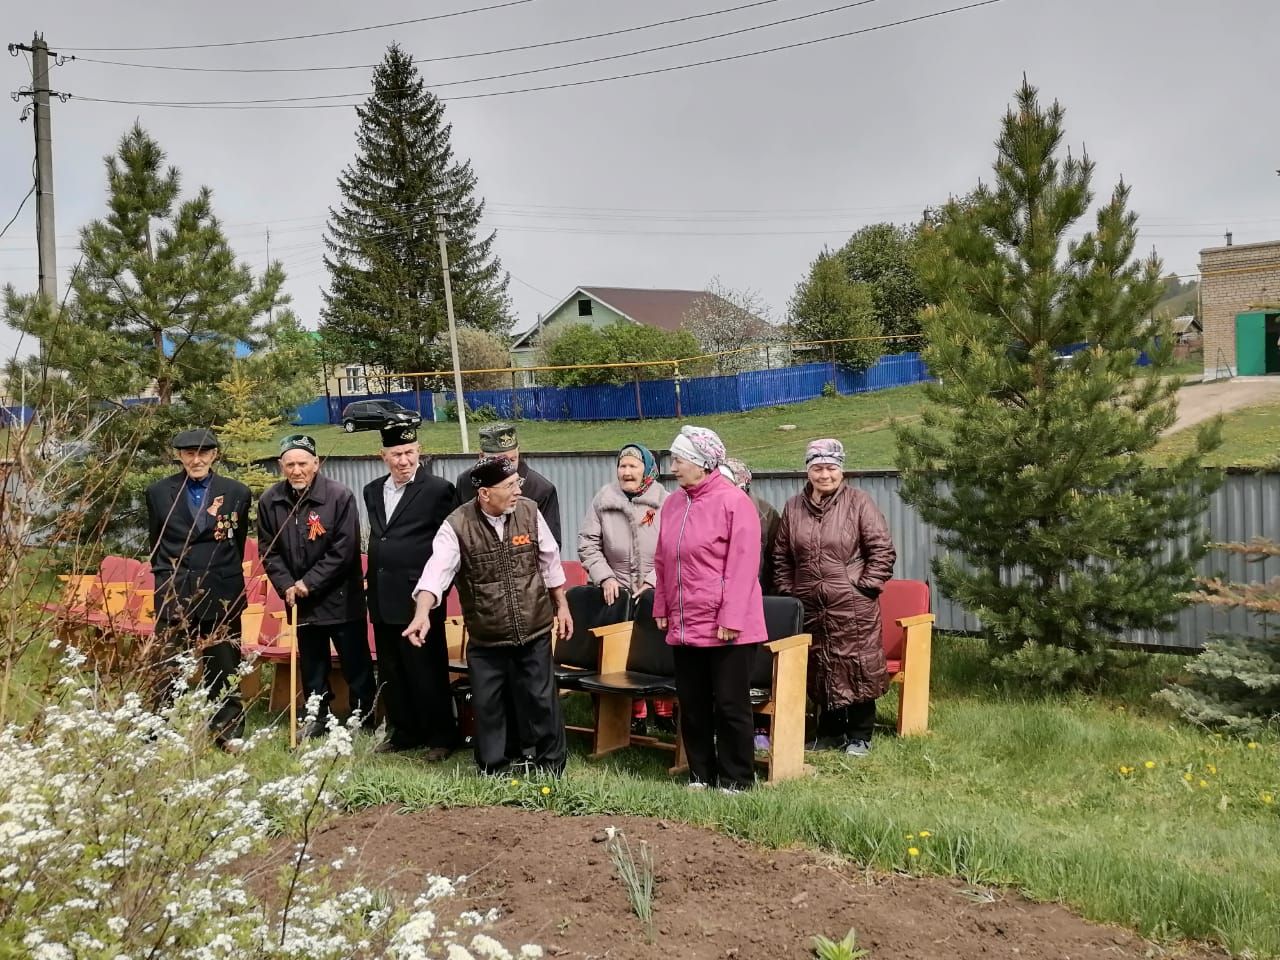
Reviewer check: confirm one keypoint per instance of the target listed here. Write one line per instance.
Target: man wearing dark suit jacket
(500, 440)
(197, 522)
(406, 508)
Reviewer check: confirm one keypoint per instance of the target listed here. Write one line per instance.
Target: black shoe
(639, 727)
(390, 746)
(312, 730)
(665, 724)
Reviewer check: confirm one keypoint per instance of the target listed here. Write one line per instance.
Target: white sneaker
(730, 791)
(858, 748)
(695, 785)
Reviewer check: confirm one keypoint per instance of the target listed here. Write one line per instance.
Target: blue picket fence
(698, 396)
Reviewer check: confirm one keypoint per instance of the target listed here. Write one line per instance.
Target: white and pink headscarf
(824, 451)
(700, 446)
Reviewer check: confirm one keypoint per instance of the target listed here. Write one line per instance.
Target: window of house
(355, 382)
(584, 308)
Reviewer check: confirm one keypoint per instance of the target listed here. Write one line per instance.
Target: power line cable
(557, 66)
(19, 210)
(442, 59)
(291, 103)
(305, 36)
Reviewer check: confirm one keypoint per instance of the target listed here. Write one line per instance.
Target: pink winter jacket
(708, 565)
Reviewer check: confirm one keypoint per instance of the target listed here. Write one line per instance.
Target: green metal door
(1251, 344)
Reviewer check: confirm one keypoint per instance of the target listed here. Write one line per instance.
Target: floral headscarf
(824, 451)
(741, 472)
(700, 446)
(642, 453)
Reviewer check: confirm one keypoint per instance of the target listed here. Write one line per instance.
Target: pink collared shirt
(446, 558)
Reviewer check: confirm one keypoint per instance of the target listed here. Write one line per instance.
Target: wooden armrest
(919, 618)
(612, 628)
(615, 646)
(786, 643)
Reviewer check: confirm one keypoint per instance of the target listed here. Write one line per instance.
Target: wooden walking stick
(291, 634)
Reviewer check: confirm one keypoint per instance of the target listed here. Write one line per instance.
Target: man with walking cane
(309, 535)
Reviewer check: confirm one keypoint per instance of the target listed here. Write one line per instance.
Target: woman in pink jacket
(707, 598)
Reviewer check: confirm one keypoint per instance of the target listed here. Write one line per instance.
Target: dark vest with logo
(504, 599)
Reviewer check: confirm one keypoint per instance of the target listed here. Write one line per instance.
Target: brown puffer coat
(834, 557)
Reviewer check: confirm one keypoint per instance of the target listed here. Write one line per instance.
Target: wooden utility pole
(46, 236)
(453, 333)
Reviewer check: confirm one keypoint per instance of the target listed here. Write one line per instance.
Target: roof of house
(664, 309)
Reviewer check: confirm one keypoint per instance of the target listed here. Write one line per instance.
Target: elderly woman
(616, 544)
(739, 474)
(707, 598)
(834, 553)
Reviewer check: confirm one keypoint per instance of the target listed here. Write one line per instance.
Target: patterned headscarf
(700, 446)
(824, 451)
(646, 457)
(741, 473)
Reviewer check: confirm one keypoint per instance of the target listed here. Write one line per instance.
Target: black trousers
(219, 665)
(352, 643)
(714, 687)
(414, 685)
(854, 721)
(524, 677)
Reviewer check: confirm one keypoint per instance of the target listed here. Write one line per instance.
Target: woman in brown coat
(833, 552)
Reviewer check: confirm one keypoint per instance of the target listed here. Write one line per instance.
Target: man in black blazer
(197, 522)
(406, 508)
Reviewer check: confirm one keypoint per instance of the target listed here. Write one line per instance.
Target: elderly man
(406, 508)
(309, 535)
(500, 440)
(499, 551)
(197, 521)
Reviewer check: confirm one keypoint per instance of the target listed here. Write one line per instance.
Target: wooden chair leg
(681, 762)
(279, 701)
(913, 708)
(786, 724)
(613, 724)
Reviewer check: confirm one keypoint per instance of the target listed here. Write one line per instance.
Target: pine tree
(385, 305)
(1031, 462)
(158, 303)
(159, 300)
(1235, 681)
(827, 305)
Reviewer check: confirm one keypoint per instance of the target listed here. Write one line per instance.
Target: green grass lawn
(1006, 790)
(1250, 438)
(863, 422)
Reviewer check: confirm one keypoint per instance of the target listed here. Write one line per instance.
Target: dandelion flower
(1212, 769)
(545, 791)
(1150, 764)
(925, 833)
(911, 836)
(913, 852)
(1125, 771)
(1252, 745)
(1187, 777)
(515, 783)
(1203, 784)
(1267, 798)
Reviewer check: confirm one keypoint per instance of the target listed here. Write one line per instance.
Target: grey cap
(198, 439)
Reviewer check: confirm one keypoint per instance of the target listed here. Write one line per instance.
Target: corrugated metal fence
(1244, 507)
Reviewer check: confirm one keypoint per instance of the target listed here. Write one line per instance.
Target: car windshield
(389, 407)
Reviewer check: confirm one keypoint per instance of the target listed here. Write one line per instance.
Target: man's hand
(727, 635)
(661, 622)
(563, 622)
(610, 588)
(301, 590)
(291, 596)
(417, 631)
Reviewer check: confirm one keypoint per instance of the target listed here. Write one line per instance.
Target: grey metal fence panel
(1247, 505)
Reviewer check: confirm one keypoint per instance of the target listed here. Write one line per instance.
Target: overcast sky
(742, 170)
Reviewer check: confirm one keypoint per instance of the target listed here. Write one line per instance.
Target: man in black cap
(406, 508)
(197, 522)
(499, 551)
(499, 440)
(309, 535)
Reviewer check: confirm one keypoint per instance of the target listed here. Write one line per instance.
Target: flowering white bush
(122, 836)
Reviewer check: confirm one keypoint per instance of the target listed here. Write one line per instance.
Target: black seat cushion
(631, 683)
(783, 617)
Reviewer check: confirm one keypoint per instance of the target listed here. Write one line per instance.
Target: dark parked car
(376, 414)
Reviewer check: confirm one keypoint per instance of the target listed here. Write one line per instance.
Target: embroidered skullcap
(491, 471)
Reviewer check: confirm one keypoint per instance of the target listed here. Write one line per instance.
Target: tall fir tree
(1235, 683)
(385, 306)
(1031, 462)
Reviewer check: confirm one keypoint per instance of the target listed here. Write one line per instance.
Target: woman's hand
(727, 635)
(611, 589)
(661, 622)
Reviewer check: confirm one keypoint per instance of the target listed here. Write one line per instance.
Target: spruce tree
(1030, 458)
(1235, 681)
(385, 305)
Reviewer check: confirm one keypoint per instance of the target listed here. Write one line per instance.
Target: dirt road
(1198, 402)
